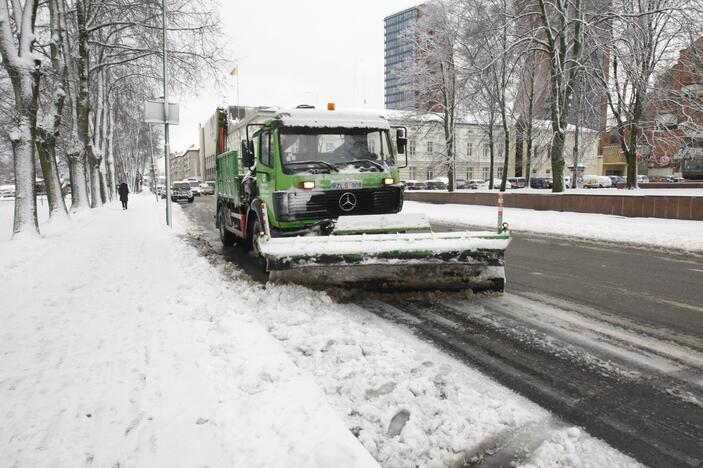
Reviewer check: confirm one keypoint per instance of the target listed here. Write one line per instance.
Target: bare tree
(434, 73)
(17, 39)
(490, 59)
(560, 36)
(49, 127)
(645, 39)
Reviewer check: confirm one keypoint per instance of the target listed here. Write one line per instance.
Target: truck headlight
(388, 181)
(308, 185)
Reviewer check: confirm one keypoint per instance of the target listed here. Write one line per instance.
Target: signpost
(167, 113)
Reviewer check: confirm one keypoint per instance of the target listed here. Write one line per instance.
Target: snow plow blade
(401, 261)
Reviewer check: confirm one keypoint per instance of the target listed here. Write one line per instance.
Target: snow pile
(121, 347)
(661, 233)
(573, 448)
(371, 245)
(409, 403)
(668, 192)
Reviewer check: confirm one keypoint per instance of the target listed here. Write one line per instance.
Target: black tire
(253, 226)
(255, 229)
(191, 199)
(228, 238)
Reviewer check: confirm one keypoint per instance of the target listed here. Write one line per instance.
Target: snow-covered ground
(661, 233)
(122, 345)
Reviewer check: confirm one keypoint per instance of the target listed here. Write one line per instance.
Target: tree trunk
(79, 182)
(491, 150)
(630, 152)
(24, 71)
(556, 154)
(46, 147)
(25, 172)
(110, 155)
(506, 157)
(574, 171)
(84, 105)
(449, 138)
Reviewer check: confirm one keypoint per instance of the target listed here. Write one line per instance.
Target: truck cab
(305, 167)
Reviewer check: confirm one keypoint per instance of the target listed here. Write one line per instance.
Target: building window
(469, 149)
(469, 173)
(484, 173)
(411, 147)
(430, 174)
(429, 147)
(485, 151)
(411, 173)
(500, 172)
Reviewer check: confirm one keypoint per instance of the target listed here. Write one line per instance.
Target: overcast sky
(296, 51)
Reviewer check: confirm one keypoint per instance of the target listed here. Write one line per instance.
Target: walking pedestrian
(123, 191)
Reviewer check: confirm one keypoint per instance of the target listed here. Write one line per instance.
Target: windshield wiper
(375, 163)
(321, 163)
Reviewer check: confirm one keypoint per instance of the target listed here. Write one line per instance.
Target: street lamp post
(166, 135)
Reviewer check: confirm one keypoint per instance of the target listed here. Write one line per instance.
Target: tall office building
(399, 54)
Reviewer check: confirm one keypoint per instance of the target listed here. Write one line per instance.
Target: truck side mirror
(401, 140)
(248, 153)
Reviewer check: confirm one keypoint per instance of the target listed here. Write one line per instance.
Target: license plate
(346, 184)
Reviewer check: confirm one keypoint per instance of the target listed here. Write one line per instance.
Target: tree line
(74, 76)
(576, 64)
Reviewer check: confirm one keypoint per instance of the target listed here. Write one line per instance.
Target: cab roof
(317, 118)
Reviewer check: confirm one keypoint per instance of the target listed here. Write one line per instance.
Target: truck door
(264, 168)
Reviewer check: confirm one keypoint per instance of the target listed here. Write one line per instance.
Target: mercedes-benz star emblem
(347, 201)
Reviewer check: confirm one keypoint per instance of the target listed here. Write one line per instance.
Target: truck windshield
(334, 150)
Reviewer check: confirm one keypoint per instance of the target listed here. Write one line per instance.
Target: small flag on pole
(234, 71)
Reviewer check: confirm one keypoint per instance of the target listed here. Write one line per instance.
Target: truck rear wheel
(228, 238)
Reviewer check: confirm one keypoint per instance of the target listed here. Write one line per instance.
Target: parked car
(540, 183)
(181, 191)
(642, 179)
(415, 185)
(435, 185)
(496, 185)
(596, 181)
(208, 187)
(472, 184)
(616, 179)
(517, 182)
(194, 187)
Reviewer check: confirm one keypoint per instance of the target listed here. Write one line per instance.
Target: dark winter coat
(123, 191)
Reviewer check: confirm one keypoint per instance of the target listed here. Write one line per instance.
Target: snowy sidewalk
(119, 347)
(671, 234)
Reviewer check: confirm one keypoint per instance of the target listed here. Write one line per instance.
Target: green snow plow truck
(316, 194)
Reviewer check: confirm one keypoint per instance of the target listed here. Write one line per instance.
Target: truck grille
(295, 206)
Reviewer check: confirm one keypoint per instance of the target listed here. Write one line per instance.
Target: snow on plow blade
(408, 261)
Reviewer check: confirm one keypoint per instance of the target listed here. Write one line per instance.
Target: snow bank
(655, 232)
(122, 347)
(681, 192)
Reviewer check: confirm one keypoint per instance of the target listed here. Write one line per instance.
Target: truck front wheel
(253, 243)
(228, 238)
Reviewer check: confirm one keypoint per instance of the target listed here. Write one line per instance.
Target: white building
(427, 155)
